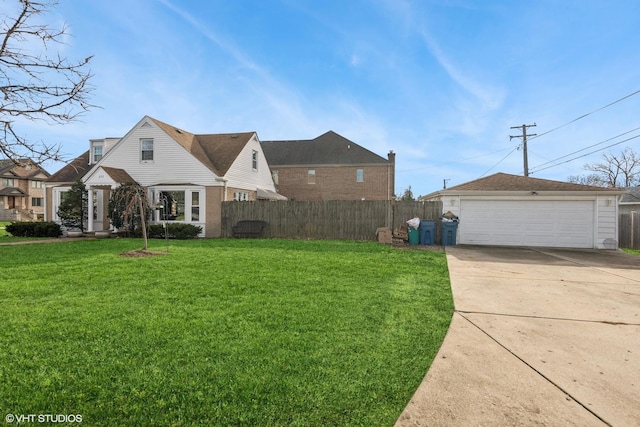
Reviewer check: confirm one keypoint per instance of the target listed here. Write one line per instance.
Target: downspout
(224, 181)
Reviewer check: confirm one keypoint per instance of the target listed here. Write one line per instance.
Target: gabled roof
(7, 166)
(632, 196)
(73, 171)
(118, 175)
(215, 151)
(12, 191)
(327, 149)
(506, 182)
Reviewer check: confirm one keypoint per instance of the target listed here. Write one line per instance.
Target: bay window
(180, 205)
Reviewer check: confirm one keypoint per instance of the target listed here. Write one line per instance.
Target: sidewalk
(539, 337)
(56, 240)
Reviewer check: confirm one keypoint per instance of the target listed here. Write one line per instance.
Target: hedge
(174, 231)
(34, 229)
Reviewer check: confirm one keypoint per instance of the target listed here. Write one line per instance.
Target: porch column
(90, 209)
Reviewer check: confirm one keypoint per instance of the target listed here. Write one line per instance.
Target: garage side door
(565, 224)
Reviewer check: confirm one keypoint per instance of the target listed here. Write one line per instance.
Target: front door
(12, 202)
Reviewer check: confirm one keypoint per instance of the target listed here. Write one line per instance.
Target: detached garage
(513, 210)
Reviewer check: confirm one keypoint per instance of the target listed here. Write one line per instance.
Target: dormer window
(96, 154)
(146, 149)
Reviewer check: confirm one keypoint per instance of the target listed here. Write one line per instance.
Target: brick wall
(336, 182)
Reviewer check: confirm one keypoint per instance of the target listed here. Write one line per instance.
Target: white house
(190, 175)
(513, 210)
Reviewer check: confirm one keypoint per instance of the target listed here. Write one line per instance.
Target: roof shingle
(506, 182)
(216, 151)
(73, 171)
(327, 149)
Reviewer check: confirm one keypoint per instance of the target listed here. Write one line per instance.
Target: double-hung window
(146, 149)
(97, 153)
(195, 206)
(359, 175)
(254, 160)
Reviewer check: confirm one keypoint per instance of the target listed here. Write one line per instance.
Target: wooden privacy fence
(335, 219)
(629, 230)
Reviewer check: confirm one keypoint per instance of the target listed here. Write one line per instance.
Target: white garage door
(565, 224)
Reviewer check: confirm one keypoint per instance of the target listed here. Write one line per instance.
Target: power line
(501, 160)
(585, 155)
(588, 114)
(453, 162)
(544, 158)
(586, 148)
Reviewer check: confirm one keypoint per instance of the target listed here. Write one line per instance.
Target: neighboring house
(329, 167)
(21, 190)
(513, 210)
(189, 175)
(630, 201)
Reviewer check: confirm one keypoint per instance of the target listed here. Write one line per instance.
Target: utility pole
(524, 144)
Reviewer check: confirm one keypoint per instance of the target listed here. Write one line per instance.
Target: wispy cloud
(491, 98)
(223, 44)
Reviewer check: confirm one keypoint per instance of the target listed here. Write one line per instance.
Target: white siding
(241, 174)
(172, 164)
(607, 225)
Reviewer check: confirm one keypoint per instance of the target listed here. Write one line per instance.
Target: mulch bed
(141, 253)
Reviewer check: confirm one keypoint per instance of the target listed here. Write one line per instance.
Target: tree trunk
(143, 223)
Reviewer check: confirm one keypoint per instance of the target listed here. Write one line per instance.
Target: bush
(34, 229)
(175, 231)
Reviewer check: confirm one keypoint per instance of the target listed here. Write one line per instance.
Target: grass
(631, 251)
(3, 232)
(219, 332)
(6, 237)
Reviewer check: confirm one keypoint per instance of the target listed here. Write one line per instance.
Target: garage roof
(506, 182)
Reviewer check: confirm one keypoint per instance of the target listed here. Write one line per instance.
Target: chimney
(391, 175)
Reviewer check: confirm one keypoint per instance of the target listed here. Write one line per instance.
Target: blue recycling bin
(427, 232)
(449, 230)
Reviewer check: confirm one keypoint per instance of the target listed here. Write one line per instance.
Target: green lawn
(5, 237)
(3, 232)
(219, 332)
(631, 251)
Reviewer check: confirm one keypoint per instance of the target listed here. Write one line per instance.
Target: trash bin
(427, 232)
(414, 235)
(449, 230)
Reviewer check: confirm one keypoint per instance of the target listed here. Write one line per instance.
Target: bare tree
(621, 170)
(129, 208)
(37, 84)
(591, 179)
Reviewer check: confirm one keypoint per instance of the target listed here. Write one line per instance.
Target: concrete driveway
(539, 337)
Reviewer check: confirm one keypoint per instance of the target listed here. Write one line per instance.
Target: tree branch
(36, 86)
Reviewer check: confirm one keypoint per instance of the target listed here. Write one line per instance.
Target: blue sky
(440, 82)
